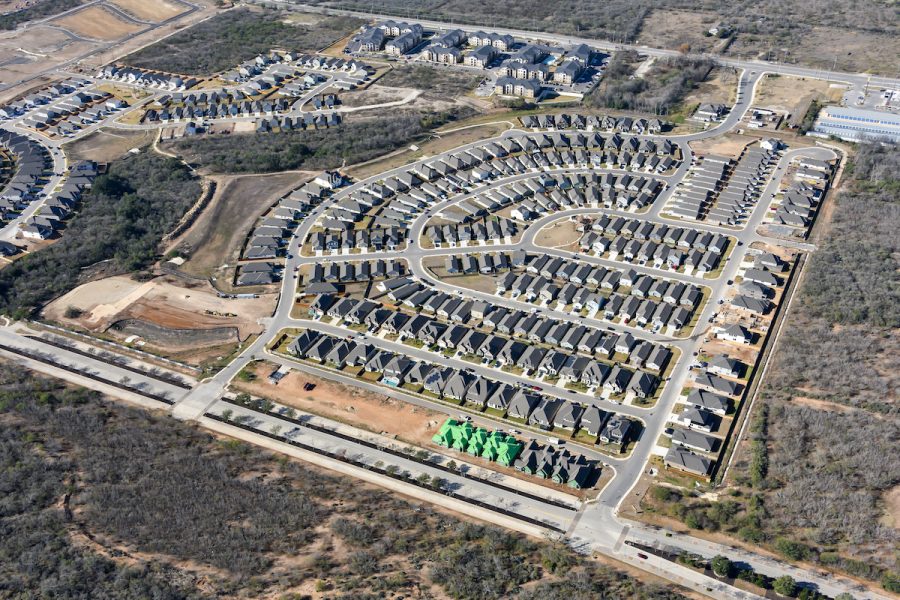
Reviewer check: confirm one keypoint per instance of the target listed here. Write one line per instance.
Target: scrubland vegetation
(660, 90)
(822, 442)
(354, 141)
(235, 36)
(760, 26)
(118, 227)
(438, 84)
(105, 501)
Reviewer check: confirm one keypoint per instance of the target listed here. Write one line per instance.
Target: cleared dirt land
(561, 235)
(107, 145)
(720, 87)
(348, 404)
(730, 144)
(98, 23)
(215, 239)
(793, 94)
(674, 28)
(31, 51)
(164, 302)
(150, 10)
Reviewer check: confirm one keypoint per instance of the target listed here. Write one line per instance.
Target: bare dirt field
(97, 23)
(673, 28)
(719, 88)
(165, 302)
(150, 10)
(106, 145)
(32, 51)
(369, 411)
(892, 507)
(793, 94)
(560, 235)
(215, 239)
(347, 404)
(374, 94)
(730, 144)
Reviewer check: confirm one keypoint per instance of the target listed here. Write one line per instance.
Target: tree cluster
(659, 91)
(249, 525)
(352, 142)
(230, 38)
(37, 10)
(121, 220)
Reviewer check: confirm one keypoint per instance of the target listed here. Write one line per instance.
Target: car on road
(642, 556)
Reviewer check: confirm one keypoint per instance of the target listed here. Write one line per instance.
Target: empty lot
(150, 10)
(97, 23)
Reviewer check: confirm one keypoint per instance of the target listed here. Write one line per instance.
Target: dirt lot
(892, 506)
(730, 144)
(720, 88)
(374, 94)
(560, 235)
(672, 28)
(372, 412)
(215, 239)
(35, 50)
(793, 94)
(106, 145)
(150, 10)
(348, 404)
(165, 302)
(97, 23)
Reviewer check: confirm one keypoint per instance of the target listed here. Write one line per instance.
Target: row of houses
(638, 126)
(272, 63)
(352, 272)
(27, 166)
(463, 386)
(375, 239)
(722, 192)
(486, 263)
(631, 310)
(42, 97)
(56, 209)
(581, 190)
(756, 287)
(146, 78)
(798, 205)
(269, 238)
(658, 244)
(542, 346)
(547, 462)
(68, 115)
(307, 121)
(544, 274)
(481, 231)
